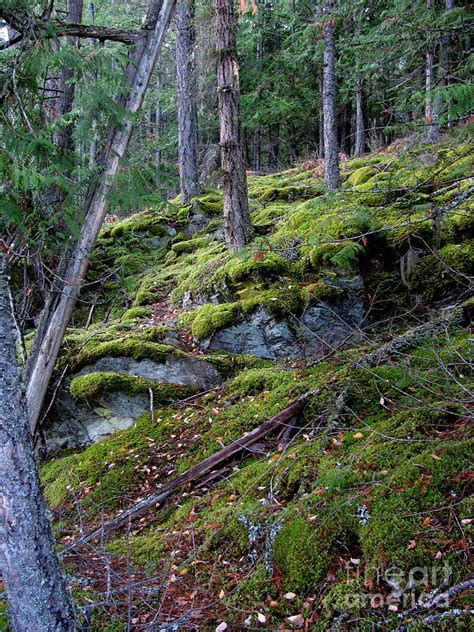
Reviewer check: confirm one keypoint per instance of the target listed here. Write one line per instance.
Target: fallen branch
(198, 472)
(449, 317)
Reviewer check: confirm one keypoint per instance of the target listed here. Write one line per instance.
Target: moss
(136, 312)
(301, 557)
(320, 291)
(361, 175)
(209, 318)
(129, 348)
(190, 245)
(346, 596)
(289, 193)
(92, 385)
(443, 271)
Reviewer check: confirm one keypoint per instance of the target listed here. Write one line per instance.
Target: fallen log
(198, 472)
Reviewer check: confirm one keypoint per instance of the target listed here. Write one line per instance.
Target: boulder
(77, 424)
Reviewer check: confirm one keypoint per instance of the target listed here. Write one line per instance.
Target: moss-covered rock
(93, 385)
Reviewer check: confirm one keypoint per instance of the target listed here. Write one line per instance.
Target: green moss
(136, 312)
(361, 175)
(301, 557)
(289, 193)
(346, 596)
(92, 385)
(443, 271)
(190, 245)
(129, 348)
(209, 318)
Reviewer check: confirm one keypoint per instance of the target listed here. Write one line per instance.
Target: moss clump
(136, 312)
(346, 596)
(129, 348)
(289, 193)
(189, 245)
(92, 385)
(361, 175)
(443, 271)
(320, 291)
(209, 318)
(300, 555)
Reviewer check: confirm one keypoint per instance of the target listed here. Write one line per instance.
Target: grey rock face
(182, 371)
(196, 223)
(79, 424)
(315, 333)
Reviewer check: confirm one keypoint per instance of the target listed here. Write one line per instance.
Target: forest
(236, 274)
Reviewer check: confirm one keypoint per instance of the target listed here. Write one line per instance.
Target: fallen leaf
(261, 618)
(221, 627)
(358, 435)
(289, 596)
(296, 619)
(222, 594)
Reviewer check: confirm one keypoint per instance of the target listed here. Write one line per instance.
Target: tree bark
(331, 152)
(273, 145)
(139, 71)
(321, 117)
(444, 58)
(359, 147)
(257, 155)
(237, 226)
(430, 110)
(37, 596)
(157, 129)
(186, 82)
(67, 84)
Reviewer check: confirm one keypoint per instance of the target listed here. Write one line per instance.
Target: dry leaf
(289, 596)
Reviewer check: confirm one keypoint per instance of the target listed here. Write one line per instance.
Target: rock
(315, 333)
(183, 371)
(196, 223)
(77, 424)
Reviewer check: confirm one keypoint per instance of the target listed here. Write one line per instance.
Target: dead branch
(195, 474)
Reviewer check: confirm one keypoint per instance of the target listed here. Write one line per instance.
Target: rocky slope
(324, 521)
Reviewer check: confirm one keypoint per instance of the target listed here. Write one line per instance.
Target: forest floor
(352, 510)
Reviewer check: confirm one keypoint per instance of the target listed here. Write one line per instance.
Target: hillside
(358, 297)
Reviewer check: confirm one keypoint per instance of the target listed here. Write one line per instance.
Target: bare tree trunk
(66, 102)
(321, 117)
(237, 224)
(273, 145)
(430, 110)
(257, 150)
(359, 120)
(444, 58)
(157, 130)
(188, 143)
(46, 349)
(331, 153)
(36, 591)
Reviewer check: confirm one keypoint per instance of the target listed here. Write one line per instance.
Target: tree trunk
(36, 591)
(444, 58)
(139, 71)
(321, 117)
(157, 129)
(186, 83)
(237, 225)
(331, 153)
(66, 101)
(257, 150)
(359, 120)
(273, 146)
(430, 110)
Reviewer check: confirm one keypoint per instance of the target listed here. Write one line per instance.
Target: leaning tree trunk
(430, 109)
(140, 69)
(36, 591)
(237, 226)
(188, 149)
(331, 153)
(359, 147)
